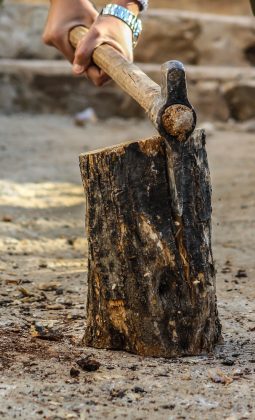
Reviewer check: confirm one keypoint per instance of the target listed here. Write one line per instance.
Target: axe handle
(127, 75)
(167, 107)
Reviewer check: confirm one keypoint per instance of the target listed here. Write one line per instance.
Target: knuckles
(98, 82)
(96, 31)
(52, 37)
(101, 81)
(80, 55)
(46, 38)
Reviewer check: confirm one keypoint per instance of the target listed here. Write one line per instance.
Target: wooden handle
(127, 75)
(176, 122)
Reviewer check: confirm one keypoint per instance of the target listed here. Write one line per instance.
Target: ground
(43, 286)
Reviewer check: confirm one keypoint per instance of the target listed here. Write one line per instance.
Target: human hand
(62, 17)
(66, 14)
(105, 30)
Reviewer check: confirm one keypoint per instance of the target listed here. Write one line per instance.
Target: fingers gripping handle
(167, 107)
(128, 76)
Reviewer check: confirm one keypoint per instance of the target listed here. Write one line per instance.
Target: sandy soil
(43, 286)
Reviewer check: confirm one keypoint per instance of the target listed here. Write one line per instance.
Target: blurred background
(214, 39)
(43, 245)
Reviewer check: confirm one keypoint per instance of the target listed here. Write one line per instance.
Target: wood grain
(151, 279)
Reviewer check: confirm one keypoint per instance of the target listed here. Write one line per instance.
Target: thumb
(79, 59)
(84, 52)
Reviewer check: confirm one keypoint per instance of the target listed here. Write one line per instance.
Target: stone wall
(186, 36)
(228, 7)
(196, 38)
(217, 93)
(21, 28)
(218, 53)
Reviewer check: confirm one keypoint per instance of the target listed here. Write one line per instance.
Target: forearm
(253, 6)
(62, 17)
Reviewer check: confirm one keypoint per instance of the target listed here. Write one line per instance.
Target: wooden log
(151, 276)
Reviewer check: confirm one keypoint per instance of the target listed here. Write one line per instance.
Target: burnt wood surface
(151, 276)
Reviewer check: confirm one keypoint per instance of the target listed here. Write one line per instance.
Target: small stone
(219, 377)
(59, 291)
(43, 265)
(88, 364)
(25, 292)
(139, 390)
(133, 367)
(226, 270)
(74, 373)
(7, 219)
(228, 362)
(55, 307)
(241, 274)
(85, 116)
(49, 286)
(168, 406)
(74, 316)
(45, 333)
(118, 393)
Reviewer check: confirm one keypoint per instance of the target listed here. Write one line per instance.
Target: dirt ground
(43, 286)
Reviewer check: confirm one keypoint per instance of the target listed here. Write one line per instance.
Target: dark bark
(151, 279)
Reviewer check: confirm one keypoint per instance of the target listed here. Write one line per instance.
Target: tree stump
(151, 276)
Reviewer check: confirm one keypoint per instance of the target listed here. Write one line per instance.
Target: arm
(66, 14)
(253, 6)
(62, 17)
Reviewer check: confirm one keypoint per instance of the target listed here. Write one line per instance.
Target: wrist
(125, 15)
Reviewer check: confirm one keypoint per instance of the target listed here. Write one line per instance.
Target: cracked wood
(151, 279)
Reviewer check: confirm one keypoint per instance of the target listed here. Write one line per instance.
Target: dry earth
(43, 286)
